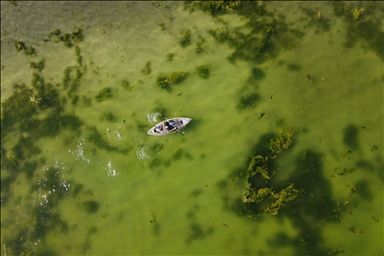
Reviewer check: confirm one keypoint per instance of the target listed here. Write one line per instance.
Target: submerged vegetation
(169, 56)
(282, 141)
(147, 69)
(203, 71)
(199, 45)
(126, 85)
(261, 167)
(68, 38)
(186, 39)
(248, 101)
(362, 27)
(178, 77)
(39, 66)
(357, 13)
(174, 78)
(105, 93)
(29, 51)
(298, 191)
(107, 116)
(38, 110)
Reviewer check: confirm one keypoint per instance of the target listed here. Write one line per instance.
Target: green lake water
(80, 175)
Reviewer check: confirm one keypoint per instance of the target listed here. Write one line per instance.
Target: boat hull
(169, 126)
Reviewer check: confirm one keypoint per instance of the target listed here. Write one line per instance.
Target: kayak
(169, 126)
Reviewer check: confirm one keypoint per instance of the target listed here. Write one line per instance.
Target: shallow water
(84, 177)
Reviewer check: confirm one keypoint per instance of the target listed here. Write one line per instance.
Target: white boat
(169, 125)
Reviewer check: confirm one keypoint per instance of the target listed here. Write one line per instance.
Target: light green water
(75, 183)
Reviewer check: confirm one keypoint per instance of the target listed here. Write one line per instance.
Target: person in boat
(158, 129)
(169, 125)
(172, 125)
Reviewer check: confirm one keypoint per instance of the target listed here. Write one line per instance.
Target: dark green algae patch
(258, 45)
(20, 109)
(176, 77)
(38, 66)
(28, 50)
(186, 39)
(269, 33)
(304, 195)
(261, 169)
(36, 109)
(266, 35)
(366, 29)
(68, 39)
(104, 94)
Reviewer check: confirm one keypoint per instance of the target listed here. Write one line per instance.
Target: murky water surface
(283, 156)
